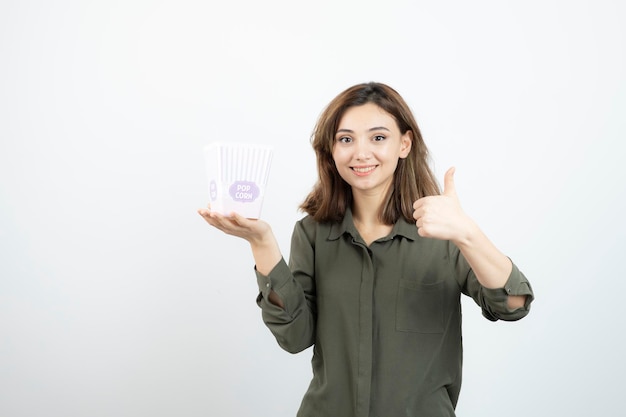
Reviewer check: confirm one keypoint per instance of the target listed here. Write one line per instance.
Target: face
(367, 146)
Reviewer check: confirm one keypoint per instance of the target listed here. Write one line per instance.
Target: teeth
(367, 169)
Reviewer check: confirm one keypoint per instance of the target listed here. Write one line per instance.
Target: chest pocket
(420, 307)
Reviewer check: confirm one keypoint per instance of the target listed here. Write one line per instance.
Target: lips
(364, 170)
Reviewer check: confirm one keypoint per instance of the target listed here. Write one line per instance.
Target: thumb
(448, 183)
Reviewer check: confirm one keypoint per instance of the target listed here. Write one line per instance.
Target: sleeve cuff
(275, 280)
(496, 299)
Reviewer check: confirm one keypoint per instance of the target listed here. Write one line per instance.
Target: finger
(238, 219)
(214, 219)
(206, 211)
(421, 202)
(206, 214)
(448, 182)
(419, 222)
(422, 232)
(418, 213)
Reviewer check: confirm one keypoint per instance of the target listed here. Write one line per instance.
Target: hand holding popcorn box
(237, 175)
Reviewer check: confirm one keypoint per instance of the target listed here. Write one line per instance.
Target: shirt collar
(346, 225)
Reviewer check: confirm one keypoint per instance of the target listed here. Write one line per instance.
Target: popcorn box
(237, 175)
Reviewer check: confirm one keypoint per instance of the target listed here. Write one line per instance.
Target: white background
(117, 299)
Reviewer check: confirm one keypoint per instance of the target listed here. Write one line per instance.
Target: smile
(364, 170)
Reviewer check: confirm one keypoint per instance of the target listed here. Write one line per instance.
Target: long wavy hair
(413, 178)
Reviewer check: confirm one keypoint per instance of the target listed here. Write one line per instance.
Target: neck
(365, 210)
(367, 222)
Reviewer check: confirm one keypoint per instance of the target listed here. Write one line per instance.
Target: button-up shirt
(384, 320)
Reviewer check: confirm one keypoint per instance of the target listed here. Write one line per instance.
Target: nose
(363, 151)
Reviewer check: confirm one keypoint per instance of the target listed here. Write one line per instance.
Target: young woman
(377, 267)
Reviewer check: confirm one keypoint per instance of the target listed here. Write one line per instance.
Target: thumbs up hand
(441, 216)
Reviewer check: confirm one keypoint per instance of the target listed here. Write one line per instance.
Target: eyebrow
(372, 129)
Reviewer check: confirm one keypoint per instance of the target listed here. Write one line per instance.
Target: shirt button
(267, 285)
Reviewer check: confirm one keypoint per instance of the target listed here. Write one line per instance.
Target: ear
(406, 141)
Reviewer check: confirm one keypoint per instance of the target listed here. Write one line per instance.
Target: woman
(377, 267)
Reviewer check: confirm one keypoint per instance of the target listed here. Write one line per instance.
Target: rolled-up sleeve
(495, 300)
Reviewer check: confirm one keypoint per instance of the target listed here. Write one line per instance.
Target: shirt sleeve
(494, 301)
(294, 326)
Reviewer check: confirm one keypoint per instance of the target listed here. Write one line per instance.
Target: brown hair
(413, 178)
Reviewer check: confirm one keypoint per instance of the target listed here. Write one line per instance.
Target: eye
(344, 139)
(378, 138)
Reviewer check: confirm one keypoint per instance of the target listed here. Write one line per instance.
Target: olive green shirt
(384, 321)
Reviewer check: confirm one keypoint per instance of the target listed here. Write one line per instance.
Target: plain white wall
(116, 299)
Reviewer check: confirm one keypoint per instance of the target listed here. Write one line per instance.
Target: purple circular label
(244, 191)
(213, 190)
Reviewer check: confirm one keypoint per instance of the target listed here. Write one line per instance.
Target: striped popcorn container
(237, 175)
